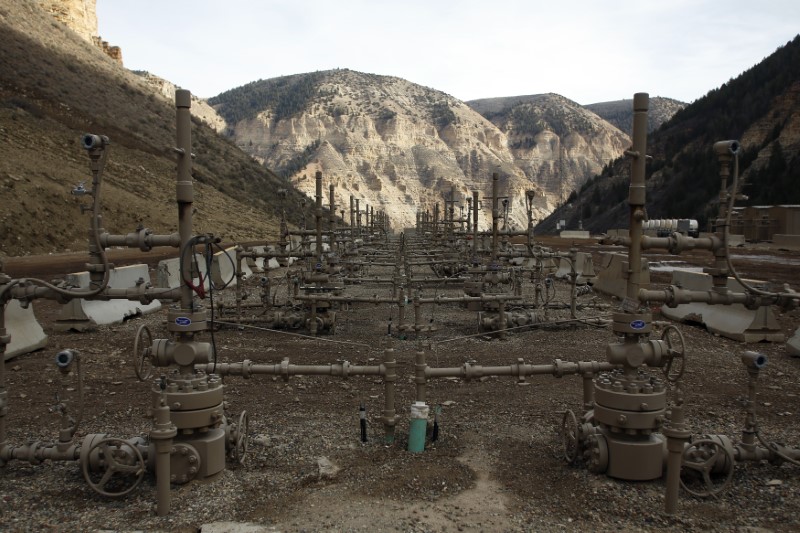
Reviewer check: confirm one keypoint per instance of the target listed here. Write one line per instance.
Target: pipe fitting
(754, 361)
(726, 148)
(65, 358)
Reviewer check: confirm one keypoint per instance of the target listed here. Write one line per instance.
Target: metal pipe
(495, 214)
(184, 187)
(247, 368)
(318, 216)
(5, 339)
(162, 434)
(420, 376)
(332, 206)
(636, 192)
(520, 370)
(389, 378)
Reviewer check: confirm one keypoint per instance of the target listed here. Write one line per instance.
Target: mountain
(620, 112)
(760, 108)
(53, 89)
(555, 141)
(401, 147)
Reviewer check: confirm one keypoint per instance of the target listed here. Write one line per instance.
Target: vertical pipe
(420, 364)
(318, 216)
(401, 307)
(184, 186)
(161, 435)
(358, 217)
(588, 392)
(474, 221)
(389, 378)
(495, 215)
(636, 193)
(352, 215)
(332, 217)
(5, 339)
(95, 265)
(677, 436)
(239, 282)
(502, 319)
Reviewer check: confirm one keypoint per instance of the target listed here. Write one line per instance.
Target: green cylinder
(418, 427)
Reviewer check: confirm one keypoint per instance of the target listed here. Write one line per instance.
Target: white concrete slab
(26, 333)
(612, 279)
(168, 275)
(732, 321)
(80, 314)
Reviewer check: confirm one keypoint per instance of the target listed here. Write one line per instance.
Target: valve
(570, 437)
(676, 350)
(142, 353)
(239, 438)
(704, 457)
(122, 467)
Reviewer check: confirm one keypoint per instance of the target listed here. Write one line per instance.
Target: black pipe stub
(64, 359)
(754, 360)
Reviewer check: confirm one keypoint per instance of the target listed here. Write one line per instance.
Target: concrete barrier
(223, 268)
(256, 264)
(793, 344)
(26, 333)
(574, 234)
(583, 267)
(732, 321)
(612, 279)
(82, 315)
(618, 232)
(787, 242)
(168, 274)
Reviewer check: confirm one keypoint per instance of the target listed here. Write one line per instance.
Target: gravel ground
(497, 465)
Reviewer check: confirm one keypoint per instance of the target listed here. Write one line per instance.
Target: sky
(586, 50)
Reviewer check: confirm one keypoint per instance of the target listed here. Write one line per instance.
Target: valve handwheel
(240, 446)
(570, 436)
(701, 457)
(676, 350)
(122, 469)
(142, 364)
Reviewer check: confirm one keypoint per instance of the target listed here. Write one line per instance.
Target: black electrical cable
(209, 256)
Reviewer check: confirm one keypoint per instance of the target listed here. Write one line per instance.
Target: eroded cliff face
(81, 17)
(401, 147)
(556, 142)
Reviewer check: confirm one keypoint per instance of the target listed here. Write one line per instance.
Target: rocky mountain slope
(555, 141)
(401, 147)
(760, 108)
(53, 88)
(620, 112)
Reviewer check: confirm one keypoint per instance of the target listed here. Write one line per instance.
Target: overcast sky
(587, 50)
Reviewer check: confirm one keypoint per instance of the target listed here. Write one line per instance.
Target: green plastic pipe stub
(418, 427)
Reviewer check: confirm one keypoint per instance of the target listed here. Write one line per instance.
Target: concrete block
(793, 344)
(223, 268)
(618, 232)
(168, 275)
(732, 321)
(735, 240)
(82, 315)
(612, 279)
(26, 333)
(256, 264)
(583, 267)
(574, 234)
(787, 242)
